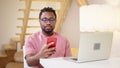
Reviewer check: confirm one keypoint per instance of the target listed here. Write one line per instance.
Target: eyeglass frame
(48, 19)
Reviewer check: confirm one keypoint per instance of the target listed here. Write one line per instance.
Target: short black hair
(47, 9)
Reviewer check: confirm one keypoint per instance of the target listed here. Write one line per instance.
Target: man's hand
(45, 51)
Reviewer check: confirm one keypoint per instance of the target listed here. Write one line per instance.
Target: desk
(61, 63)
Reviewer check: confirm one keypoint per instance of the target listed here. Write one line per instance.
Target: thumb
(49, 44)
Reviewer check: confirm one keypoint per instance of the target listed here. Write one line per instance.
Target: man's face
(47, 22)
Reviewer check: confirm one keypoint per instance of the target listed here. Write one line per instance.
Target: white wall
(115, 52)
(8, 20)
(70, 28)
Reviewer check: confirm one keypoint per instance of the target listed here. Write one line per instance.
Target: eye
(44, 19)
(52, 19)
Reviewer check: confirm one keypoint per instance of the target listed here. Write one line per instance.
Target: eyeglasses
(45, 20)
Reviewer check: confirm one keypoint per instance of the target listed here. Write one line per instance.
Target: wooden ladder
(61, 7)
(82, 2)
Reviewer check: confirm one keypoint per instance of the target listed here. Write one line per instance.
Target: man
(36, 46)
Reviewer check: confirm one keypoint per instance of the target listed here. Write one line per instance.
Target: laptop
(93, 46)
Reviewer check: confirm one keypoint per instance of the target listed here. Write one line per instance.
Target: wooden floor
(9, 58)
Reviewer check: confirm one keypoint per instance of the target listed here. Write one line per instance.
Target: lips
(48, 27)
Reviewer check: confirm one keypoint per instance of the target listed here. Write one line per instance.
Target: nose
(48, 22)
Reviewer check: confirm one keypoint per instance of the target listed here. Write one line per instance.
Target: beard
(48, 31)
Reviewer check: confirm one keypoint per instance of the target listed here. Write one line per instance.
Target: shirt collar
(44, 36)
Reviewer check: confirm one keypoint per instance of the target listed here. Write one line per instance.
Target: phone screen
(52, 39)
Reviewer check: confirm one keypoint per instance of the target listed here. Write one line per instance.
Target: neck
(48, 34)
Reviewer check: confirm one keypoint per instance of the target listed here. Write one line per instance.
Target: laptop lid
(94, 46)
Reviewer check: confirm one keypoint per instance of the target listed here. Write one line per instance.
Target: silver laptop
(93, 46)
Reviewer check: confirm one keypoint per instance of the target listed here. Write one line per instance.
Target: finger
(51, 49)
(49, 44)
(50, 53)
(47, 54)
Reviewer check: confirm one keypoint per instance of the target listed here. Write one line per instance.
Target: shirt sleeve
(67, 50)
(29, 46)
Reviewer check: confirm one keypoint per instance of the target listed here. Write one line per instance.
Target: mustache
(48, 26)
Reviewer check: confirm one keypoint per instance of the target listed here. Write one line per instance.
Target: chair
(25, 63)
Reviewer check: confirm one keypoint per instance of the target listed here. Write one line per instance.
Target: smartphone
(52, 39)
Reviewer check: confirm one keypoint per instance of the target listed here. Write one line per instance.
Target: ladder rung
(15, 39)
(29, 26)
(25, 33)
(32, 0)
(28, 19)
(37, 10)
(30, 9)
(9, 47)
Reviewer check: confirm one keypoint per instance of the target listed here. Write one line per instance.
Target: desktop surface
(62, 63)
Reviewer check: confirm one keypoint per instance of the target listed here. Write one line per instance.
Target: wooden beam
(82, 2)
(37, 10)
(42, 0)
(24, 34)
(29, 26)
(28, 18)
(16, 39)
(25, 20)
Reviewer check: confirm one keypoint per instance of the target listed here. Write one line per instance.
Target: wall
(115, 52)
(8, 20)
(70, 28)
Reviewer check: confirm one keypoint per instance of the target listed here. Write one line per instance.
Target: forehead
(47, 15)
